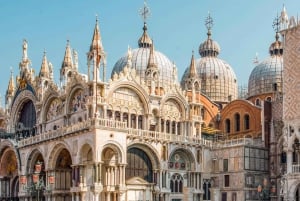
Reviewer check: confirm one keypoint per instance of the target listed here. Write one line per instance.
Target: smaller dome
(209, 47)
(266, 77)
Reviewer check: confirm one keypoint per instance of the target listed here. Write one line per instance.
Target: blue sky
(242, 28)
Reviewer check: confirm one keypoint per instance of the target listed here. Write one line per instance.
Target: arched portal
(63, 179)
(8, 175)
(139, 165)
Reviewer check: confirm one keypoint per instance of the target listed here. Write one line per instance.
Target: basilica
(141, 134)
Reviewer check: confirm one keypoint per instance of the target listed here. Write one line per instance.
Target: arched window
(257, 102)
(139, 165)
(227, 125)
(246, 122)
(176, 183)
(237, 122)
(27, 115)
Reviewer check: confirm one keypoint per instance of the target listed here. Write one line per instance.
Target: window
(225, 165)
(237, 122)
(257, 102)
(176, 183)
(206, 189)
(256, 159)
(246, 122)
(227, 126)
(224, 196)
(226, 181)
(234, 196)
(139, 164)
(283, 157)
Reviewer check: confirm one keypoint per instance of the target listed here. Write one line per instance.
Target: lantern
(38, 167)
(35, 178)
(51, 179)
(259, 188)
(23, 179)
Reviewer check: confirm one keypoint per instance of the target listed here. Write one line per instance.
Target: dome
(209, 47)
(266, 77)
(140, 59)
(218, 80)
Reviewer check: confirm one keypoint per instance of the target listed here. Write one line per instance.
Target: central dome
(140, 59)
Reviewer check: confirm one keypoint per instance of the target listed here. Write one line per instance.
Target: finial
(45, 52)
(96, 18)
(209, 24)
(255, 60)
(145, 12)
(11, 71)
(276, 23)
(276, 26)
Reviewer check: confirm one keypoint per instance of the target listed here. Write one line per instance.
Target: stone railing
(80, 126)
(296, 168)
(112, 124)
(235, 142)
(165, 137)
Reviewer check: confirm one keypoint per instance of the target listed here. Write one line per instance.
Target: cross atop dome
(276, 23)
(145, 12)
(209, 22)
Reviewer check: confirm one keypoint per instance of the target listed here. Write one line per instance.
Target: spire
(11, 84)
(276, 47)
(283, 19)
(193, 71)
(44, 72)
(151, 61)
(145, 41)
(67, 62)
(96, 44)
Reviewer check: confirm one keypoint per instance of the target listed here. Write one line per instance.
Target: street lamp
(38, 181)
(264, 192)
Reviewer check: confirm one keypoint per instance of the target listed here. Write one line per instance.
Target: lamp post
(38, 181)
(265, 192)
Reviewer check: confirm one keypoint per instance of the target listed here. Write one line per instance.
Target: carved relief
(55, 109)
(78, 102)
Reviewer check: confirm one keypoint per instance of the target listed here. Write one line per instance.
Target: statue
(25, 46)
(282, 183)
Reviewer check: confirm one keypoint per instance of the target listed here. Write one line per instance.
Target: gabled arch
(116, 147)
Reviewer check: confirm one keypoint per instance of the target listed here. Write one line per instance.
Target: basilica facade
(143, 135)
